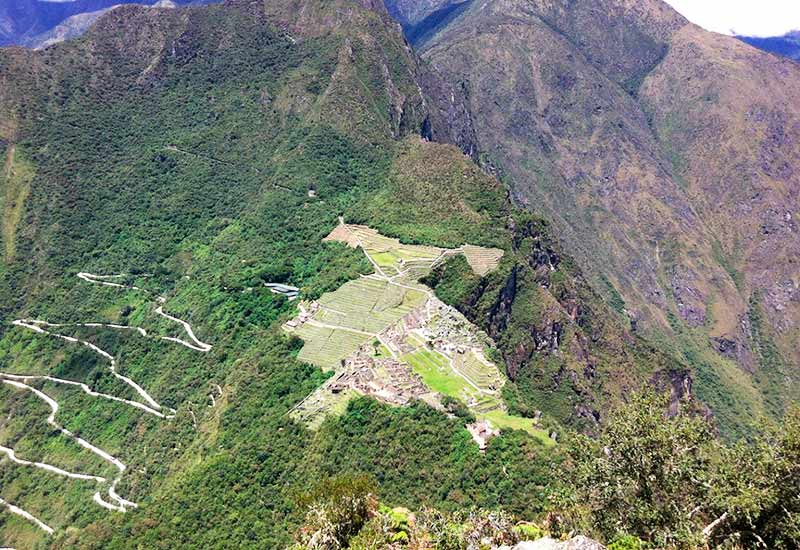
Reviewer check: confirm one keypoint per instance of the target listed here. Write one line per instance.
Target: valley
(260, 254)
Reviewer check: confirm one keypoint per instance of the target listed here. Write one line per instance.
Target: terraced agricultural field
(501, 419)
(342, 321)
(483, 374)
(482, 260)
(392, 256)
(321, 403)
(437, 374)
(326, 347)
(351, 316)
(368, 305)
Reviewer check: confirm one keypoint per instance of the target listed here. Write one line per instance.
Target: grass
(368, 305)
(323, 404)
(437, 374)
(16, 531)
(16, 183)
(482, 375)
(501, 419)
(482, 260)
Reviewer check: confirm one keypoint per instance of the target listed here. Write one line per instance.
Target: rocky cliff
(665, 157)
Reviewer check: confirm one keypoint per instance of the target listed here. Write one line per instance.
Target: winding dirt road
(147, 404)
(27, 515)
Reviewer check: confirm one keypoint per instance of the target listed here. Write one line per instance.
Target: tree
(647, 475)
(337, 509)
(756, 490)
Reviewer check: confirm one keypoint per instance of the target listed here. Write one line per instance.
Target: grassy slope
(193, 165)
(14, 187)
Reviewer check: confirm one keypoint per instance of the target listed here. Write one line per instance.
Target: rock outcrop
(547, 543)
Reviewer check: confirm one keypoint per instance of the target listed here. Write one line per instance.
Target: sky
(743, 17)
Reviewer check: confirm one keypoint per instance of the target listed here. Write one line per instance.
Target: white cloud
(746, 17)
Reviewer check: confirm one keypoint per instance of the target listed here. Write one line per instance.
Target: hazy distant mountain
(787, 45)
(35, 22)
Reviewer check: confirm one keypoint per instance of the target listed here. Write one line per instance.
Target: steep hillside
(664, 156)
(158, 172)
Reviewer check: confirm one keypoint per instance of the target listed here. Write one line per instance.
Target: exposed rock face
(730, 115)
(411, 12)
(76, 25)
(566, 351)
(576, 543)
(449, 118)
(666, 157)
(561, 125)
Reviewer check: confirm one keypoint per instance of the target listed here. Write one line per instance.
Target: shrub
(337, 510)
(627, 542)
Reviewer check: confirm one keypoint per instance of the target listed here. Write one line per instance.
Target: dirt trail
(58, 471)
(175, 149)
(197, 346)
(107, 280)
(36, 326)
(87, 390)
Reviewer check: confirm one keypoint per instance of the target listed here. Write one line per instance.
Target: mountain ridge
(169, 173)
(33, 22)
(787, 45)
(192, 156)
(583, 131)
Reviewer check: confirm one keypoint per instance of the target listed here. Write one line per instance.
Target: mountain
(164, 168)
(787, 45)
(256, 255)
(665, 157)
(38, 23)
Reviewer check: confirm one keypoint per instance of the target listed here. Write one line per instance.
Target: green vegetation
(453, 281)
(15, 186)
(435, 370)
(772, 375)
(647, 482)
(616, 301)
(327, 347)
(347, 515)
(195, 171)
(504, 421)
(727, 263)
(670, 483)
(338, 509)
(180, 149)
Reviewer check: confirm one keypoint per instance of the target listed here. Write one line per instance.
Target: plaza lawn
(435, 371)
